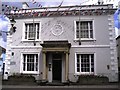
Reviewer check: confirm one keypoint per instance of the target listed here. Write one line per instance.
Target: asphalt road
(60, 89)
(110, 87)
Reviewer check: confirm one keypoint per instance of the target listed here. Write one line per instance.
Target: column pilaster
(44, 65)
(66, 66)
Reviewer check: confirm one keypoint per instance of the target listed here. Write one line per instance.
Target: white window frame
(21, 64)
(85, 73)
(23, 33)
(84, 39)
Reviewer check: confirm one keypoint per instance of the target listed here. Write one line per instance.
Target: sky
(4, 21)
(44, 3)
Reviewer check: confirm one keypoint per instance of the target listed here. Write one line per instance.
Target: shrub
(92, 79)
(22, 77)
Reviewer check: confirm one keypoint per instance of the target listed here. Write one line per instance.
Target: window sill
(31, 40)
(30, 72)
(84, 73)
(85, 39)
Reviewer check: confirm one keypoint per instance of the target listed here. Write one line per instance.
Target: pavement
(72, 86)
(110, 86)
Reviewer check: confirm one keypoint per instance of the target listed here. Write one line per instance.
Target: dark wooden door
(57, 70)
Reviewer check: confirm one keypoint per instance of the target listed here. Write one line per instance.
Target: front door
(57, 67)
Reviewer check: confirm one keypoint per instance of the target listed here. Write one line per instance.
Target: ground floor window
(84, 63)
(30, 62)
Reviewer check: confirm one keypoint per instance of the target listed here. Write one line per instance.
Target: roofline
(68, 6)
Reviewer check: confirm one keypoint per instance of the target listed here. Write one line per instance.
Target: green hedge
(20, 80)
(23, 78)
(92, 79)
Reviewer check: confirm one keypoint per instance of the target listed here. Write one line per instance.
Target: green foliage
(21, 77)
(92, 79)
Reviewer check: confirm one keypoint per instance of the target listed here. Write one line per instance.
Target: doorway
(57, 67)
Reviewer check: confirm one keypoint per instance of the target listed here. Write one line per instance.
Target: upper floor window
(84, 29)
(32, 31)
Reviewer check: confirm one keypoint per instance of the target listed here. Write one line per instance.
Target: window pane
(78, 65)
(28, 66)
(77, 25)
(32, 62)
(91, 34)
(24, 62)
(82, 69)
(78, 69)
(85, 67)
(32, 67)
(91, 26)
(26, 27)
(77, 34)
(86, 29)
(31, 30)
(78, 59)
(92, 63)
(36, 66)
(92, 69)
(36, 57)
(37, 30)
(86, 64)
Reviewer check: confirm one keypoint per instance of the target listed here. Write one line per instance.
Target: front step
(55, 84)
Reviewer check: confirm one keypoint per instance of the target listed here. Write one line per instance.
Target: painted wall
(47, 24)
(100, 46)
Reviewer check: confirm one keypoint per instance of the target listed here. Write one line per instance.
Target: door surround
(55, 46)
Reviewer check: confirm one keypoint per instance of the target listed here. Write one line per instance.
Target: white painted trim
(30, 72)
(85, 52)
(31, 47)
(21, 65)
(85, 39)
(95, 63)
(94, 33)
(73, 46)
(31, 20)
(25, 40)
(23, 31)
(75, 63)
(21, 61)
(80, 73)
(90, 46)
(83, 19)
(75, 30)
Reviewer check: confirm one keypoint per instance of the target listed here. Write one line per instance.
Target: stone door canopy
(52, 46)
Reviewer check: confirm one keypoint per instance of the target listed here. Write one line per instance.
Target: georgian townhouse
(61, 43)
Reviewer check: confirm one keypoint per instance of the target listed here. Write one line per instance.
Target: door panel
(57, 69)
(57, 66)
